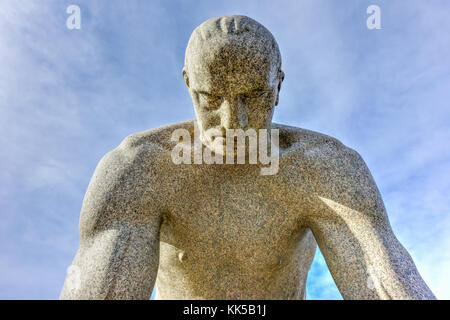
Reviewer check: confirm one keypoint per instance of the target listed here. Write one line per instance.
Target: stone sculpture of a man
(226, 231)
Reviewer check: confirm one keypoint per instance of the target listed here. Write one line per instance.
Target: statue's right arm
(119, 229)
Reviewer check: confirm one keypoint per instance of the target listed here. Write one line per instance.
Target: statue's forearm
(114, 265)
(400, 278)
(370, 264)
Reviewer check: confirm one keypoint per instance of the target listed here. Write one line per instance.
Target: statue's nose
(234, 114)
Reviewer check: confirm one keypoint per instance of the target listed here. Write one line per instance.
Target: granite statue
(226, 231)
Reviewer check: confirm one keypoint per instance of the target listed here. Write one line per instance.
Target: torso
(230, 233)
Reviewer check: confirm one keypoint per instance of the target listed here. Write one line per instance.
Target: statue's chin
(219, 148)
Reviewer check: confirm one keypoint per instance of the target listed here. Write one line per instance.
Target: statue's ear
(185, 77)
(281, 78)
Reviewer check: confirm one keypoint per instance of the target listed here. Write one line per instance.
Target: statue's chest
(238, 215)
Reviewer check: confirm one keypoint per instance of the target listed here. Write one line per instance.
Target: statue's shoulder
(307, 142)
(142, 151)
(128, 180)
(156, 139)
(325, 159)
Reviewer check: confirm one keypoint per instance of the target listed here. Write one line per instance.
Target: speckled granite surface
(224, 231)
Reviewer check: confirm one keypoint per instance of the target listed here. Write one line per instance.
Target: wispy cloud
(67, 97)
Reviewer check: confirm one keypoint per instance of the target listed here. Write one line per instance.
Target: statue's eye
(258, 97)
(210, 101)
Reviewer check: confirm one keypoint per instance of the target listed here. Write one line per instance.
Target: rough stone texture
(225, 231)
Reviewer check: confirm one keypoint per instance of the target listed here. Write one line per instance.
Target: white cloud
(67, 97)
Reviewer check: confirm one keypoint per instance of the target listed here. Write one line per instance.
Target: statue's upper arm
(119, 228)
(123, 190)
(350, 224)
(342, 176)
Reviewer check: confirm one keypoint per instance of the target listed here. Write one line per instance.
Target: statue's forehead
(223, 49)
(239, 64)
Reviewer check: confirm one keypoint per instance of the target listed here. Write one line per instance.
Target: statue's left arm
(350, 224)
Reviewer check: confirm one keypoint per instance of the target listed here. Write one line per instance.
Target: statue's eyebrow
(258, 91)
(248, 93)
(207, 93)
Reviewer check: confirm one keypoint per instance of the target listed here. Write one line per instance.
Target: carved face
(233, 85)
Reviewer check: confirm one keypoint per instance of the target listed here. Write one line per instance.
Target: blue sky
(69, 96)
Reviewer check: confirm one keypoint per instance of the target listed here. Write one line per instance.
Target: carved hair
(234, 28)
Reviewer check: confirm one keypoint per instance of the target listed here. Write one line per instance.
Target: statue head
(233, 72)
